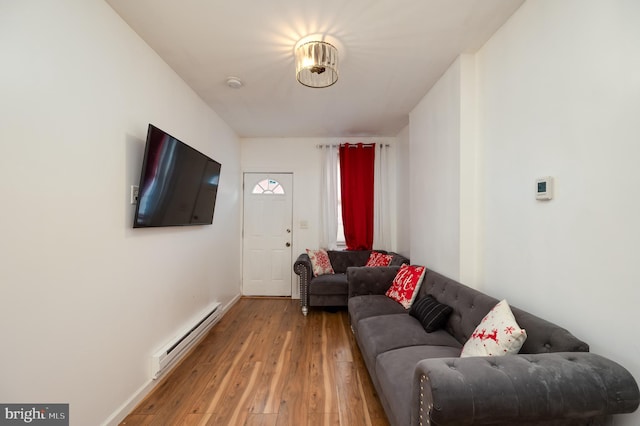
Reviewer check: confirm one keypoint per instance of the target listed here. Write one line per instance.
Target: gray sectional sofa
(421, 379)
(332, 289)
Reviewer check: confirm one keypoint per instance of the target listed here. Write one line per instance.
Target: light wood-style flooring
(266, 364)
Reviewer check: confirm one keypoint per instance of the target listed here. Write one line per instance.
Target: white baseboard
(130, 404)
(118, 416)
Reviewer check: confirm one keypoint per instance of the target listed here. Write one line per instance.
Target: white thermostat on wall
(544, 188)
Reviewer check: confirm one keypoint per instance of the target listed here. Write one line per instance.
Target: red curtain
(356, 185)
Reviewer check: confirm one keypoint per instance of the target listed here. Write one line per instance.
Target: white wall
(403, 197)
(560, 96)
(434, 126)
(557, 92)
(443, 175)
(85, 299)
(301, 157)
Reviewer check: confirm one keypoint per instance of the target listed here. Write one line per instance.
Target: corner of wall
(470, 163)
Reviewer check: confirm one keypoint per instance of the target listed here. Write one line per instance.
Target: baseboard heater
(166, 357)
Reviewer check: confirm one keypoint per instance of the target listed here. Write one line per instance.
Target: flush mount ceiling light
(316, 64)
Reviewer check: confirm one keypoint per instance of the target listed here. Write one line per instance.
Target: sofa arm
(521, 389)
(302, 267)
(364, 280)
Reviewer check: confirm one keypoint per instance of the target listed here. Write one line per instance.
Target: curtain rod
(351, 145)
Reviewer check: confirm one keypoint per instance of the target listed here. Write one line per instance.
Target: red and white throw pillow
(406, 284)
(379, 259)
(497, 334)
(320, 262)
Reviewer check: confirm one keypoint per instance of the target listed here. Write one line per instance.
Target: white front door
(266, 241)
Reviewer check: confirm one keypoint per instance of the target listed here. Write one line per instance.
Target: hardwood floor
(265, 364)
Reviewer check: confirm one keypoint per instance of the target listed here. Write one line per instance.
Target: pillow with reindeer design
(497, 334)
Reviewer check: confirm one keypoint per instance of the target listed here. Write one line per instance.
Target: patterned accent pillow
(379, 259)
(406, 284)
(497, 334)
(432, 314)
(320, 262)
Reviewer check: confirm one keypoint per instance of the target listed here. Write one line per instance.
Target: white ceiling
(391, 53)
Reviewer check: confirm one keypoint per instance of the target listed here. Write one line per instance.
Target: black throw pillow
(432, 314)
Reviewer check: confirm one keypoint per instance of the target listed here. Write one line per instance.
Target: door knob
(288, 244)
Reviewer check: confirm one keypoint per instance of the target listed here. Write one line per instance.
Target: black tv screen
(178, 184)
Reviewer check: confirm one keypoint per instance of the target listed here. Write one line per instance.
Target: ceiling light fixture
(317, 64)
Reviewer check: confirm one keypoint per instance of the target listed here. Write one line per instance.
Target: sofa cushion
(333, 300)
(320, 262)
(379, 259)
(329, 284)
(394, 370)
(406, 284)
(384, 333)
(374, 305)
(497, 334)
(431, 314)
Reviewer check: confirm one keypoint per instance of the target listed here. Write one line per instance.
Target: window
(268, 187)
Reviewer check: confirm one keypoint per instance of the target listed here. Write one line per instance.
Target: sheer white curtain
(329, 197)
(381, 200)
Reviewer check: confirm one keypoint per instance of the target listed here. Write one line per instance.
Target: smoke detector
(234, 82)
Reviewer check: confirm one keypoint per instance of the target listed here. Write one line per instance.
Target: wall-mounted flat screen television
(178, 184)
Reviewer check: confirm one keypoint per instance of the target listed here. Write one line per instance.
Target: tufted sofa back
(470, 306)
(342, 259)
